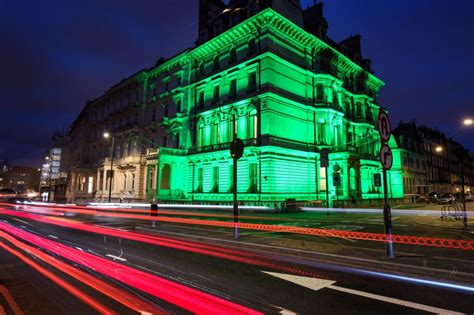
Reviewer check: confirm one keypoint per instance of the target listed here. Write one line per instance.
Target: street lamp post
(39, 185)
(106, 136)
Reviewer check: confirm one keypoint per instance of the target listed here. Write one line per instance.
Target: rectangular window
(321, 133)
(252, 85)
(322, 179)
(201, 100)
(90, 186)
(319, 93)
(253, 178)
(335, 99)
(233, 89)
(216, 96)
(215, 179)
(199, 187)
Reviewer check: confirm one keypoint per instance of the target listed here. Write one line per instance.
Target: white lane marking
(22, 221)
(284, 311)
(387, 299)
(310, 283)
(116, 257)
(53, 236)
(317, 284)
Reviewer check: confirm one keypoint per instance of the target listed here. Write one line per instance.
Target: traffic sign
(386, 157)
(377, 180)
(237, 148)
(384, 127)
(324, 157)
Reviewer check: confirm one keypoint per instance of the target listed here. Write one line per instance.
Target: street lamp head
(46, 157)
(439, 149)
(468, 122)
(106, 135)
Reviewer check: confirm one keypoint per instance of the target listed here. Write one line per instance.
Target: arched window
(252, 124)
(216, 134)
(200, 134)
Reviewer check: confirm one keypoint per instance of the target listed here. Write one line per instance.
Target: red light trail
(182, 296)
(365, 236)
(68, 287)
(115, 293)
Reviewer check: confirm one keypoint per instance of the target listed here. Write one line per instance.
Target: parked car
(446, 198)
(467, 196)
(431, 197)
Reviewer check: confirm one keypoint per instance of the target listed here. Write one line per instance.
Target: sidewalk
(454, 266)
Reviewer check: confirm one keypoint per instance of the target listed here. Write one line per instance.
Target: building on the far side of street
(53, 175)
(21, 179)
(441, 160)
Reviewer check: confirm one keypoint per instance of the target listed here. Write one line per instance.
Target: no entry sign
(386, 157)
(384, 126)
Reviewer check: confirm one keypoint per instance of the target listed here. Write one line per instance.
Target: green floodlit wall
(286, 113)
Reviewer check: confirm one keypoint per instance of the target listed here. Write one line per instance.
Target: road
(54, 262)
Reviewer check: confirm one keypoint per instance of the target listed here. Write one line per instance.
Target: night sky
(56, 55)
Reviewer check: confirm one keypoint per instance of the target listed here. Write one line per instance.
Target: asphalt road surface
(96, 264)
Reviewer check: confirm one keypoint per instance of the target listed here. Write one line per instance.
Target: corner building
(291, 90)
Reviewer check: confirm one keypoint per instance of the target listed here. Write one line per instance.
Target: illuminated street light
(107, 136)
(439, 149)
(468, 122)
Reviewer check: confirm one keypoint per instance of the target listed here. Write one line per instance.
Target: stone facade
(268, 66)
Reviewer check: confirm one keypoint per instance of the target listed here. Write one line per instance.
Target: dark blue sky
(56, 55)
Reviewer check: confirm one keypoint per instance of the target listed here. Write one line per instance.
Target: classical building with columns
(267, 69)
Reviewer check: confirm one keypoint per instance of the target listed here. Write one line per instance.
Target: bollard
(153, 213)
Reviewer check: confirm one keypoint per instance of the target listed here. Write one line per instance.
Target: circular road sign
(386, 157)
(237, 148)
(384, 126)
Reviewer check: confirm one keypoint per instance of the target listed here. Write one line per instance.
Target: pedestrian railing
(452, 211)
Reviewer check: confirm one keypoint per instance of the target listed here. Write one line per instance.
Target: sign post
(236, 151)
(386, 158)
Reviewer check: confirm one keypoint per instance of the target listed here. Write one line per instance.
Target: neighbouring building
(267, 69)
(432, 162)
(53, 174)
(21, 179)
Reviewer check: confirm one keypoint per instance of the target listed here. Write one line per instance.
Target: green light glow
(284, 111)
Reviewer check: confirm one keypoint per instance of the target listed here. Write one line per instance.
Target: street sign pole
(234, 179)
(387, 217)
(327, 187)
(386, 158)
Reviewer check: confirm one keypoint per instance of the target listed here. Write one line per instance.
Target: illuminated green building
(293, 91)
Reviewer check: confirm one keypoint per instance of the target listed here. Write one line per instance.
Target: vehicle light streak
(11, 302)
(365, 236)
(68, 287)
(99, 210)
(237, 255)
(182, 296)
(219, 252)
(115, 293)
